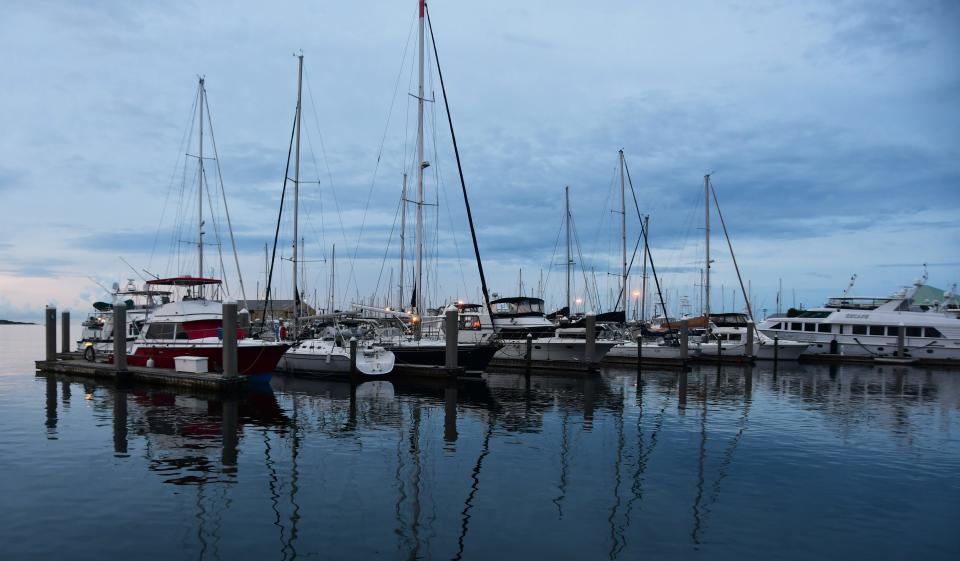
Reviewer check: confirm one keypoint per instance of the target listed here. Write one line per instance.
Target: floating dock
(157, 376)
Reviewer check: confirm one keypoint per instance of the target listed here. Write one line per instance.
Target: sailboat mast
(333, 278)
(403, 235)
(706, 283)
(567, 224)
(296, 193)
(200, 190)
(623, 238)
(643, 294)
(418, 270)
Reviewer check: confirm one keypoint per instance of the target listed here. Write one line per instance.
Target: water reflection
(540, 466)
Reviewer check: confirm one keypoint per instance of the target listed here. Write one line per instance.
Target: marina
(456, 281)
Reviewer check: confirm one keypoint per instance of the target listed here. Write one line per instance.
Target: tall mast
(200, 191)
(646, 242)
(623, 237)
(418, 270)
(567, 224)
(403, 234)
(296, 194)
(706, 282)
(333, 278)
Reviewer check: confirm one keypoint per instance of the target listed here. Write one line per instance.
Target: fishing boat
(193, 327)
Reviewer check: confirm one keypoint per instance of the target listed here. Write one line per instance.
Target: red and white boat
(193, 326)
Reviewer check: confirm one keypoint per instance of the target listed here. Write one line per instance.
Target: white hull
(323, 357)
(650, 352)
(554, 349)
(786, 350)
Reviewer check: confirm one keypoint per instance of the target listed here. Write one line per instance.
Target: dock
(208, 381)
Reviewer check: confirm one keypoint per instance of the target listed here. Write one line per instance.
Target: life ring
(90, 354)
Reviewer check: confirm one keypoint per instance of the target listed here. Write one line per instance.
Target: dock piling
(639, 352)
(684, 341)
(65, 332)
(51, 324)
(590, 323)
(230, 339)
(901, 339)
(120, 337)
(528, 357)
(452, 331)
(750, 329)
(353, 356)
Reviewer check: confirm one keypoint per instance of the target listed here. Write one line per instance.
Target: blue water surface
(809, 462)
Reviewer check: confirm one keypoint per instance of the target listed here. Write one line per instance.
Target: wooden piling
(65, 332)
(590, 323)
(51, 334)
(353, 356)
(901, 339)
(684, 341)
(230, 339)
(750, 329)
(120, 337)
(452, 332)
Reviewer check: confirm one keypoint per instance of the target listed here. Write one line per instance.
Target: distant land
(8, 322)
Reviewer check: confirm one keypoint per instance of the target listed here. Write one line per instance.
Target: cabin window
(181, 334)
(931, 332)
(469, 323)
(796, 326)
(161, 331)
(823, 328)
(733, 337)
(859, 329)
(809, 327)
(876, 330)
(914, 332)
(775, 326)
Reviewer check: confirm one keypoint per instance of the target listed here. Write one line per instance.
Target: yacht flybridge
(870, 328)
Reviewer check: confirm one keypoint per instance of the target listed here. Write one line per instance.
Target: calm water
(811, 463)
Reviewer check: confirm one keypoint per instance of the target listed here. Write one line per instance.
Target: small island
(9, 322)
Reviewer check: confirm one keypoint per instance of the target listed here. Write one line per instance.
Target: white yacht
(329, 353)
(868, 328)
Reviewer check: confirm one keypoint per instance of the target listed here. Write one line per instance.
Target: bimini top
(517, 306)
(183, 281)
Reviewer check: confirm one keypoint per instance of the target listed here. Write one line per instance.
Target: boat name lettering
(857, 316)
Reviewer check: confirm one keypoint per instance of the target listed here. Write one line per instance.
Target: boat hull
(252, 359)
(370, 363)
(469, 357)
(555, 349)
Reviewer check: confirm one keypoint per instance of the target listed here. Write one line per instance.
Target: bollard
(776, 349)
(451, 327)
(243, 321)
(65, 332)
(590, 323)
(901, 339)
(120, 337)
(750, 328)
(353, 356)
(229, 325)
(51, 323)
(684, 341)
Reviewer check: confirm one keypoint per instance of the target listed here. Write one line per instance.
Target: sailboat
(411, 347)
(328, 353)
(193, 326)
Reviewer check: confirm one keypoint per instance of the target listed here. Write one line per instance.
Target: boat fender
(150, 362)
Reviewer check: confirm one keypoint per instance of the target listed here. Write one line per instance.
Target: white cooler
(196, 364)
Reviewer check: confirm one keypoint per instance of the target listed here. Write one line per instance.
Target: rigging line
(746, 297)
(216, 232)
(267, 301)
(376, 169)
(226, 209)
(463, 184)
(646, 240)
(326, 162)
(556, 244)
(583, 267)
(170, 183)
(386, 252)
(173, 248)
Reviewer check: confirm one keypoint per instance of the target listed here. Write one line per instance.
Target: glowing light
(636, 294)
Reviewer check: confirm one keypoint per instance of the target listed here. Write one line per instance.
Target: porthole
(929, 351)
(879, 349)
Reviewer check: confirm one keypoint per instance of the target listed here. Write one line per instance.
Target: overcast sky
(832, 130)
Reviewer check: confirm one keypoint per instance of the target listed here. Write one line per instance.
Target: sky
(831, 130)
